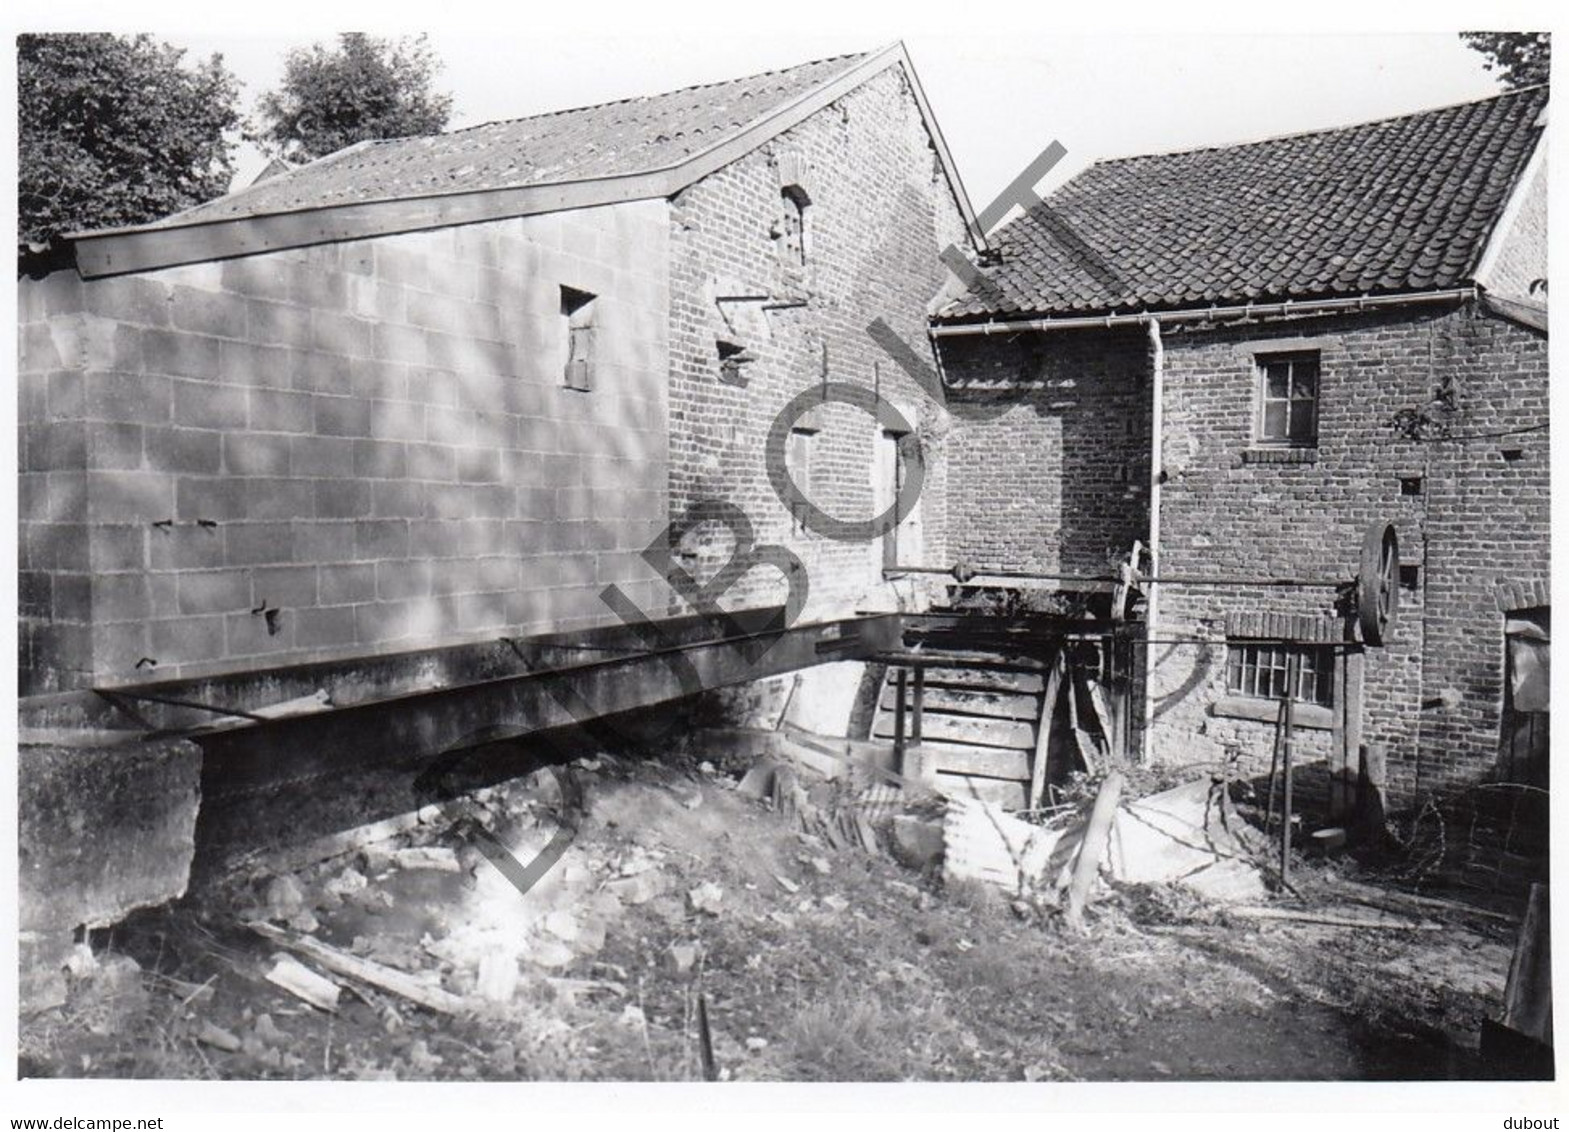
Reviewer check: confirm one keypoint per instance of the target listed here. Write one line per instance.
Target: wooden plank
(1043, 735)
(1086, 744)
(1528, 994)
(997, 791)
(1010, 734)
(1102, 709)
(341, 962)
(974, 701)
(998, 678)
(299, 980)
(990, 762)
(1095, 835)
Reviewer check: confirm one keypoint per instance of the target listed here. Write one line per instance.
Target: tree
(367, 88)
(114, 130)
(1523, 57)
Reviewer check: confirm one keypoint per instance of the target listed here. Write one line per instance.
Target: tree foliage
(116, 130)
(366, 88)
(1522, 58)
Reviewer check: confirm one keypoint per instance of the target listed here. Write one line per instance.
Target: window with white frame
(1287, 412)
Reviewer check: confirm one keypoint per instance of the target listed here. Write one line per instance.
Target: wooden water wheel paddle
(1378, 583)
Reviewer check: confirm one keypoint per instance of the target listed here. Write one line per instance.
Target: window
(792, 231)
(577, 314)
(798, 462)
(1259, 671)
(733, 357)
(1288, 400)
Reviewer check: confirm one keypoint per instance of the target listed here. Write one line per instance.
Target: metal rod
(920, 703)
(1293, 673)
(1168, 579)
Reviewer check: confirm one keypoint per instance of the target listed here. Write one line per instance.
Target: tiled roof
(1404, 204)
(635, 135)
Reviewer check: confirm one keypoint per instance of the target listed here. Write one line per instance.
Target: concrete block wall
(372, 438)
(1049, 449)
(1478, 523)
(880, 214)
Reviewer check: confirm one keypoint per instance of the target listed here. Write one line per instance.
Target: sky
(999, 99)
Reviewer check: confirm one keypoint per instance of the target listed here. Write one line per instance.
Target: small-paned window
(577, 317)
(1288, 399)
(1261, 670)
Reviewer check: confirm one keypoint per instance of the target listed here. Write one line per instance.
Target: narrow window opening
(1410, 485)
(793, 238)
(733, 359)
(1411, 577)
(798, 462)
(577, 315)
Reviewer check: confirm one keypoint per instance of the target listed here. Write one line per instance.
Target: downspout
(1157, 474)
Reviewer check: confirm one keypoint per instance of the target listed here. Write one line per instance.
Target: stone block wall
(330, 451)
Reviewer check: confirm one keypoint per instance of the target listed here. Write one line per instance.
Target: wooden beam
(1043, 735)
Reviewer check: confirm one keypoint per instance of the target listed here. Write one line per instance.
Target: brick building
(433, 390)
(1246, 356)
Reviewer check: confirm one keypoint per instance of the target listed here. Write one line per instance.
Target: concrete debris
(497, 979)
(639, 860)
(637, 889)
(218, 1038)
(706, 897)
(683, 957)
(421, 1059)
(81, 963)
(563, 925)
(267, 1031)
(346, 883)
(758, 782)
(285, 898)
(305, 984)
(756, 1045)
(632, 1017)
(549, 953)
(917, 842)
(834, 902)
(436, 857)
(820, 865)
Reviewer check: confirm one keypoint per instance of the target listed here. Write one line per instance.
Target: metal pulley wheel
(1378, 583)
